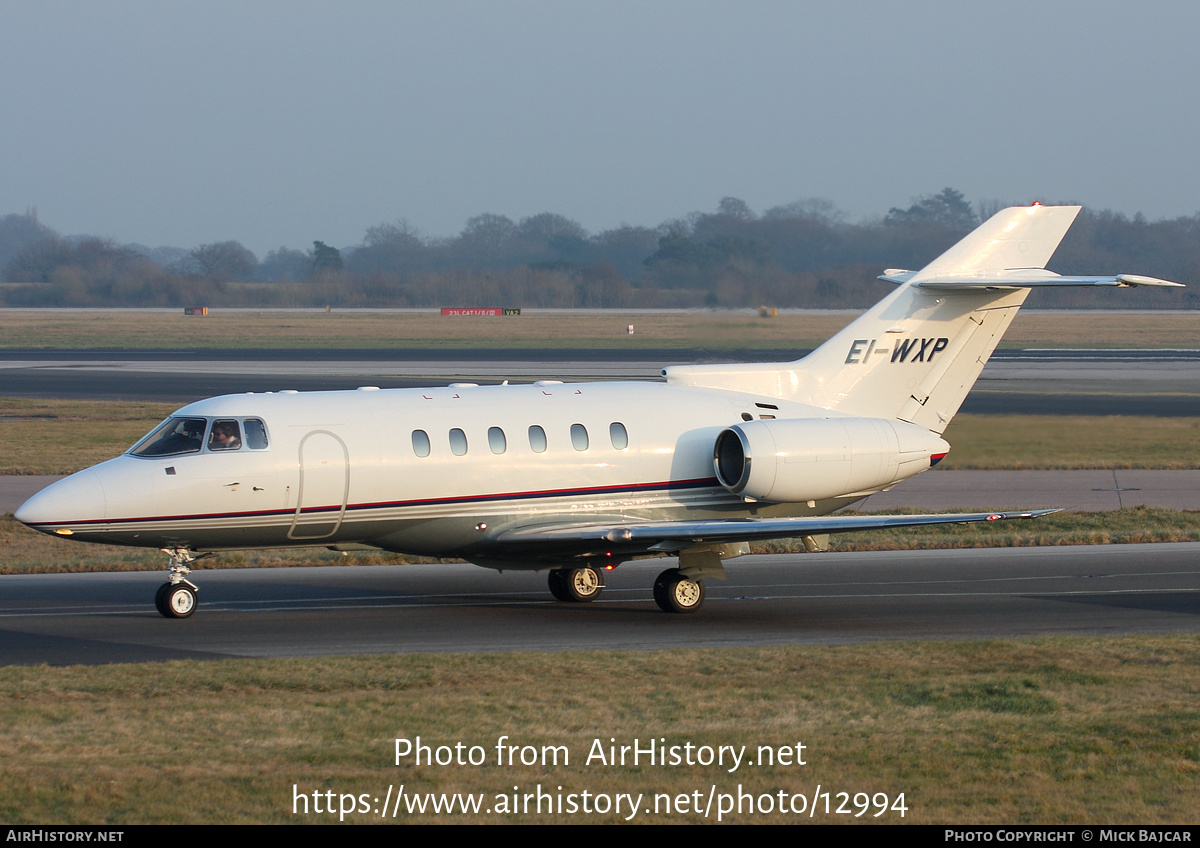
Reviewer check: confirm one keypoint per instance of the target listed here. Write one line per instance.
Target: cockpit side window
(256, 434)
(226, 435)
(174, 436)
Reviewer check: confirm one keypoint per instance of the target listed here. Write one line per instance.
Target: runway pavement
(1148, 382)
(821, 599)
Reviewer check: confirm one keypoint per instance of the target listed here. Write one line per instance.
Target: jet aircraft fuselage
(446, 471)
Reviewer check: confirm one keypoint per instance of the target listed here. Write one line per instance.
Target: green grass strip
(1060, 730)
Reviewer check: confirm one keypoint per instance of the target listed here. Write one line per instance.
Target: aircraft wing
(669, 536)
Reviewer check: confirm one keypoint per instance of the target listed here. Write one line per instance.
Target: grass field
(1071, 441)
(65, 436)
(713, 330)
(1021, 731)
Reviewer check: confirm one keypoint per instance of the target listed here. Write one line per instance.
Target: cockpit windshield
(173, 436)
(177, 436)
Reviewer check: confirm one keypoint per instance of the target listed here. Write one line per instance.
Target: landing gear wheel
(575, 585)
(557, 580)
(178, 601)
(676, 592)
(177, 597)
(160, 600)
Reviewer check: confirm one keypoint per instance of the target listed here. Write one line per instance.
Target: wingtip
(1139, 280)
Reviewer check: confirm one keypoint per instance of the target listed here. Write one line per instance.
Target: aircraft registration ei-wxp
(580, 477)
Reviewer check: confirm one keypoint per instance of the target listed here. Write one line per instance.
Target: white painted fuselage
(344, 468)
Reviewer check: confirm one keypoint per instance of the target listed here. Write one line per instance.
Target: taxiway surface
(1080, 382)
(820, 599)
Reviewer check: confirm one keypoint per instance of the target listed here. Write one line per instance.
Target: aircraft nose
(73, 499)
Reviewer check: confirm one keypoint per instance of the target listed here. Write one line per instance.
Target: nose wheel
(177, 597)
(175, 601)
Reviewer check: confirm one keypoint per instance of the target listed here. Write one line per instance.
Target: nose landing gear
(177, 597)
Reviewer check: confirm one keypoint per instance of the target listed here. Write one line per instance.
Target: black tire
(179, 601)
(557, 580)
(160, 602)
(576, 585)
(675, 592)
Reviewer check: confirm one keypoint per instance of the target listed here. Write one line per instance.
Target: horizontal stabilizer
(1036, 278)
(667, 536)
(897, 275)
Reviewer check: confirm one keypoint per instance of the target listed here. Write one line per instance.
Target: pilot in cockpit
(225, 436)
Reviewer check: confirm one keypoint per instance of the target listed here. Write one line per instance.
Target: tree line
(802, 254)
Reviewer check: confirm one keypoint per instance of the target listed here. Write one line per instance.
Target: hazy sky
(277, 123)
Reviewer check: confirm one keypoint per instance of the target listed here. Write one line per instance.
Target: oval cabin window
(618, 434)
(579, 437)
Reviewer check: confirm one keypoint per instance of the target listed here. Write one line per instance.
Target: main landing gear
(576, 585)
(177, 597)
(682, 589)
(674, 591)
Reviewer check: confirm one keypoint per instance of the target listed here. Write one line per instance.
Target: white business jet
(577, 478)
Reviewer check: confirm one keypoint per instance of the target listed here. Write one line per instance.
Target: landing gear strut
(674, 591)
(576, 585)
(177, 597)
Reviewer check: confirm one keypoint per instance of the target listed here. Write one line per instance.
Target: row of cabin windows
(498, 442)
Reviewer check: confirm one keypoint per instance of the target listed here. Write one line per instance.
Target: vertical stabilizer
(1015, 238)
(915, 359)
(916, 353)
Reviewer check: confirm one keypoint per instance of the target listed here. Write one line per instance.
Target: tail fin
(1020, 237)
(915, 354)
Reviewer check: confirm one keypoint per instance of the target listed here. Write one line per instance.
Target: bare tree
(18, 232)
(226, 260)
(284, 264)
(734, 207)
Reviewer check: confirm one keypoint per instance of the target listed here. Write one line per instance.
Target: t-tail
(915, 354)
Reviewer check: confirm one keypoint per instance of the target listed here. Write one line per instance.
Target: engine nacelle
(801, 459)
